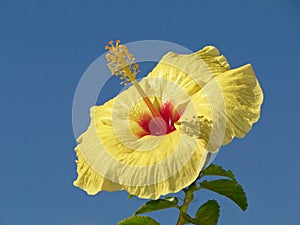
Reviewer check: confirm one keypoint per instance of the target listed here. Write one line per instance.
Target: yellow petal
(92, 182)
(241, 92)
(183, 178)
(89, 180)
(191, 71)
(211, 56)
(243, 98)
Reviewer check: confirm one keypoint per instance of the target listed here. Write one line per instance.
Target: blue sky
(45, 47)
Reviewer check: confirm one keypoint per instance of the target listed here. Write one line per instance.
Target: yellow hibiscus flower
(155, 137)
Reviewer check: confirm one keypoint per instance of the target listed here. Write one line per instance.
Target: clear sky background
(45, 47)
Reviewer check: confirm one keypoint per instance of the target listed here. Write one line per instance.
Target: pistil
(122, 63)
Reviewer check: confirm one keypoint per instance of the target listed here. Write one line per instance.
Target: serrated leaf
(154, 205)
(138, 220)
(208, 213)
(229, 188)
(214, 170)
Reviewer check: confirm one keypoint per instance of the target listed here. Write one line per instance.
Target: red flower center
(158, 126)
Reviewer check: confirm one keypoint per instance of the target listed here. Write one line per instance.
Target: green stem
(188, 198)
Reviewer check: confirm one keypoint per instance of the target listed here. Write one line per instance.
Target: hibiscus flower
(155, 137)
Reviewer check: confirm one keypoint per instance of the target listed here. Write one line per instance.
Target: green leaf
(153, 205)
(130, 196)
(214, 170)
(138, 220)
(188, 218)
(229, 188)
(208, 213)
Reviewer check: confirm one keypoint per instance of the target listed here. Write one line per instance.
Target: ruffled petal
(183, 178)
(211, 56)
(243, 97)
(191, 71)
(89, 180)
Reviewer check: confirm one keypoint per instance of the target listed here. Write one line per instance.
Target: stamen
(122, 63)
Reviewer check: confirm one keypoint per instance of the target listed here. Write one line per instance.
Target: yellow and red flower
(154, 138)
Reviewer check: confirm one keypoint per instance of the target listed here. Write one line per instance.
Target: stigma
(121, 62)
